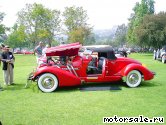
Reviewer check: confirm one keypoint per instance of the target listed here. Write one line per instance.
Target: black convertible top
(106, 51)
(102, 49)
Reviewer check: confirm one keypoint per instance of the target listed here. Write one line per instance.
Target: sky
(103, 14)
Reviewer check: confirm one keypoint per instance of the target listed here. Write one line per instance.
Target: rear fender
(147, 74)
(65, 78)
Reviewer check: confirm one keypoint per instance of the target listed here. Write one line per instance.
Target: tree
(41, 24)
(17, 37)
(136, 18)
(75, 20)
(90, 40)
(2, 27)
(120, 35)
(80, 34)
(152, 31)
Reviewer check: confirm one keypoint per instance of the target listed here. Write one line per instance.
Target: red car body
(78, 70)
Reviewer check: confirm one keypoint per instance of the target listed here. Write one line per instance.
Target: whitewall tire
(133, 78)
(47, 82)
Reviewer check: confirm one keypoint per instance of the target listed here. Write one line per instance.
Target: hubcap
(48, 82)
(133, 78)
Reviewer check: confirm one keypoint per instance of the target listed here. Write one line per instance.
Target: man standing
(8, 65)
(44, 50)
(38, 51)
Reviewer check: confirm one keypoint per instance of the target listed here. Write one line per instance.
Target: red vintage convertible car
(73, 69)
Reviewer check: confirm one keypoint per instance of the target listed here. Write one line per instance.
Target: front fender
(147, 74)
(65, 78)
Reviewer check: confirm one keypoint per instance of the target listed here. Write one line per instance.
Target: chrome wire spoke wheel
(47, 82)
(134, 78)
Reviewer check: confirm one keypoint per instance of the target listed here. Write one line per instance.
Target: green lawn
(19, 106)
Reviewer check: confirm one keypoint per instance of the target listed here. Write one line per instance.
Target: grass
(19, 106)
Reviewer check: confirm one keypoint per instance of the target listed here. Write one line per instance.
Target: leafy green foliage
(41, 24)
(120, 35)
(17, 38)
(90, 40)
(74, 17)
(36, 23)
(2, 27)
(79, 34)
(152, 31)
(136, 18)
(75, 20)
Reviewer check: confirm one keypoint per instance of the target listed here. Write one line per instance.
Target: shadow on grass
(34, 88)
(149, 84)
(92, 85)
(144, 84)
(14, 87)
(159, 60)
(66, 89)
(20, 87)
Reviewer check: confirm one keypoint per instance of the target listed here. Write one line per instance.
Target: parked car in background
(121, 53)
(84, 68)
(23, 51)
(128, 51)
(17, 51)
(105, 50)
(27, 52)
(160, 54)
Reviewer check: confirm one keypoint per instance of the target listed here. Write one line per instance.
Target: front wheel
(133, 78)
(47, 82)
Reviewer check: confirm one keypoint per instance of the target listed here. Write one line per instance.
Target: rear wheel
(163, 59)
(133, 78)
(47, 82)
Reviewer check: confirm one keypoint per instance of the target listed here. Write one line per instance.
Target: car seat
(98, 69)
